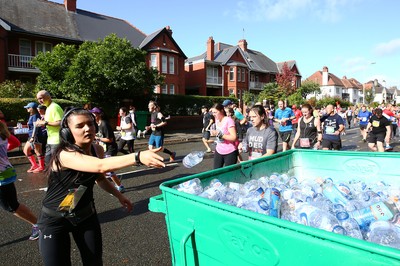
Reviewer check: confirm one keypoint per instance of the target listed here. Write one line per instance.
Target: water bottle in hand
(193, 159)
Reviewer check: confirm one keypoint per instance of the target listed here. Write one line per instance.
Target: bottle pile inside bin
(353, 208)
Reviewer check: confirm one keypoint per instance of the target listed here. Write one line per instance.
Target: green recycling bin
(209, 233)
(142, 119)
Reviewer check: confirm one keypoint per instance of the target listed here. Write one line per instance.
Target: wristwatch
(46, 123)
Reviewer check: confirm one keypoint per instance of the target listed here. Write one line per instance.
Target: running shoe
(35, 233)
(388, 148)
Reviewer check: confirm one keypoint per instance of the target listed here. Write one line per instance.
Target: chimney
(243, 45)
(325, 74)
(70, 5)
(210, 49)
(168, 28)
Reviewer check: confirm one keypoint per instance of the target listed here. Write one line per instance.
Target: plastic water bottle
(192, 186)
(381, 211)
(350, 225)
(193, 159)
(385, 233)
(332, 192)
(314, 217)
(244, 147)
(275, 203)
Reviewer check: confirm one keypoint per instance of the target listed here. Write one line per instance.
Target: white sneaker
(139, 134)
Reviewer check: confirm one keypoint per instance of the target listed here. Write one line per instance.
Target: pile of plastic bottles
(354, 208)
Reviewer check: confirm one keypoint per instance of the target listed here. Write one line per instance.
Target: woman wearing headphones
(68, 206)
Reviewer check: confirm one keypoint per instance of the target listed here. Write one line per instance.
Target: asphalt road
(137, 238)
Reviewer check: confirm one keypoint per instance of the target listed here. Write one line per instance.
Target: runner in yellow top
(52, 120)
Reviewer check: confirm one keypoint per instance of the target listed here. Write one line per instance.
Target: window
(43, 47)
(171, 89)
(164, 89)
(239, 74)
(231, 74)
(25, 50)
(164, 66)
(153, 61)
(243, 75)
(171, 65)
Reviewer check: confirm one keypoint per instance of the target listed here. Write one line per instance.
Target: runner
(381, 130)
(333, 126)
(363, 117)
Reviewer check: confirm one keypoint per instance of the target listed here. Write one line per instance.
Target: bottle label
(378, 211)
(275, 203)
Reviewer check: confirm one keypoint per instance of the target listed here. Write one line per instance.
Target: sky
(354, 38)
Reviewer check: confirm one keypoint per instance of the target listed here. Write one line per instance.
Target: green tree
(16, 89)
(248, 97)
(308, 87)
(53, 68)
(100, 72)
(369, 96)
(270, 93)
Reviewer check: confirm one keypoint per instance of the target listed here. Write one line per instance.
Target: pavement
(16, 156)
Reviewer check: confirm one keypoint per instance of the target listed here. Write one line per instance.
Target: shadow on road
(21, 239)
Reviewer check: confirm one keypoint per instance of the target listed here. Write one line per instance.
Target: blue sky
(354, 38)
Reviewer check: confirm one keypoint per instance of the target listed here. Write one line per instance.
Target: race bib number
(329, 130)
(305, 142)
(364, 119)
(375, 123)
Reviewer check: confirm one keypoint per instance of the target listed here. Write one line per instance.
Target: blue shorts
(156, 141)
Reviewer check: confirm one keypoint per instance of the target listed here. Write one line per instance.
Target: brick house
(28, 27)
(224, 70)
(332, 86)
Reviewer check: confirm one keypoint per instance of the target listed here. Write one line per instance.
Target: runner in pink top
(226, 151)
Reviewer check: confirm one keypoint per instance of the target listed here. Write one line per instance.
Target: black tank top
(61, 182)
(308, 130)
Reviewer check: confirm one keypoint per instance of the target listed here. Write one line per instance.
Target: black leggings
(55, 242)
(122, 143)
(227, 159)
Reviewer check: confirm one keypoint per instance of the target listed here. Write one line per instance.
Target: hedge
(13, 108)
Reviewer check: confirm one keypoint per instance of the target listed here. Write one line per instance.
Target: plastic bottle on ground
(193, 159)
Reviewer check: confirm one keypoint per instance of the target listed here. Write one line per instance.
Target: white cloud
(388, 48)
(326, 10)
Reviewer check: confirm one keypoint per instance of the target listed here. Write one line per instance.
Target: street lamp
(371, 63)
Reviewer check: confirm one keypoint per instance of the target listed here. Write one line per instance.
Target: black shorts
(206, 135)
(373, 138)
(285, 136)
(363, 127)
(331, 144)
(8, 197)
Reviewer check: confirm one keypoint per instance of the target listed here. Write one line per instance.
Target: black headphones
(65, 132)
